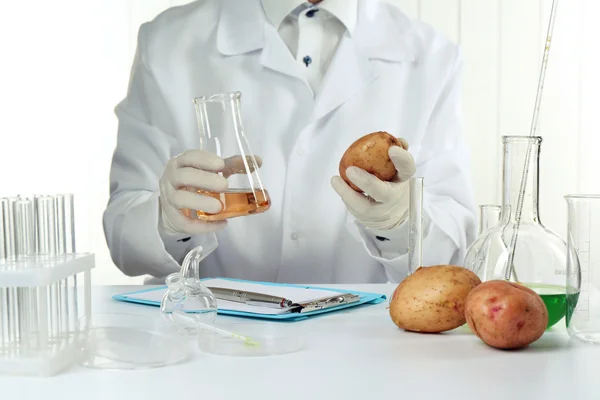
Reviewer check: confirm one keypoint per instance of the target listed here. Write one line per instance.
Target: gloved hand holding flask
(196, 195)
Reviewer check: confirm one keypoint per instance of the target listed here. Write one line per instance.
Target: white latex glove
(384, 205)
(193, 169)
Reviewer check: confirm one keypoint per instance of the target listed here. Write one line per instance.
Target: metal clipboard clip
(325, 302)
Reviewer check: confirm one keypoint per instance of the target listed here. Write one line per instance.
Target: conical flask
(222, 132)
(540, 254)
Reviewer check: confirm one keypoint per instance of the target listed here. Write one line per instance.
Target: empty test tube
(46, 225)
(3, 291)
(65, 234)
(25, 248)
(67, 223)
(415, 223)
(47, 247)
(24, 229)
(10, 294)
(9, 227)
(2, 234)
(69, 248)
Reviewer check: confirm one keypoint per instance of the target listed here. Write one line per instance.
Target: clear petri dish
(265, 339)
(131, 342)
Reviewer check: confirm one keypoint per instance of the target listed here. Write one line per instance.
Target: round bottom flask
(540, 256)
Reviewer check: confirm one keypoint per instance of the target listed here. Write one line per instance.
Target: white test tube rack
(45, 287)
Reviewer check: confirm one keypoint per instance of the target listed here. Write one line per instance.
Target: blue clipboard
(364, 299)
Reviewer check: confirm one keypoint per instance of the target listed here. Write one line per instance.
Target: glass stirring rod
(510, 270)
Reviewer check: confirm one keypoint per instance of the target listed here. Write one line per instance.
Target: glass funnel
(222, 132)
(186, 293)
(539, 260)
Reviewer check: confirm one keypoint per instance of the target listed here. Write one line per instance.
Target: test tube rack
(45, 286)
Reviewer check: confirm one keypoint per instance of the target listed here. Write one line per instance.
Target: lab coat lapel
(276, 55)
(349, 72)
(244, 28)
(381, 33)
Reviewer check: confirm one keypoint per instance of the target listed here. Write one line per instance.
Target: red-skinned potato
(432, 299)
(506, 315)
(370, 153)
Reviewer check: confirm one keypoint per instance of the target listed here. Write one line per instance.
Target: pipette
(510, 270)
(189, 320)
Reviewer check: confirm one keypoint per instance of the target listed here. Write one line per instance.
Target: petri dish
(131, 342)
(267, 339)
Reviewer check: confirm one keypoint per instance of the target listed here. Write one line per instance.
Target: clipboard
(335, 300)
(324, 303)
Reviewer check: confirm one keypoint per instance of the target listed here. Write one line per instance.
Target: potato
(370, 153)
(432, 299)
(506, 315)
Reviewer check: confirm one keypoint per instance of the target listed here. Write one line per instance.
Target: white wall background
(64, 65)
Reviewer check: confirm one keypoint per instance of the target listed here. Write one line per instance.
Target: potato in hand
(370, 153)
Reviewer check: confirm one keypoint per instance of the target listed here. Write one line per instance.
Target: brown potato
(432, 299)
(370, 153)
(506, 315)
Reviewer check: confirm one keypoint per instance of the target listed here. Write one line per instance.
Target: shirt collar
(345, 10)
(382, 31)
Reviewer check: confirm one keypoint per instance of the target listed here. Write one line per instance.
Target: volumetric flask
(540, 255)
(222, 132)
(583, 263)
(489, 216)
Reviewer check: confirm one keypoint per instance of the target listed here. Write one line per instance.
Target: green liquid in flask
(555, 299)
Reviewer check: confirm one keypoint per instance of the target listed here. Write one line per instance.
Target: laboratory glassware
(540, 255)
(221, 131)
(532, 132)
(40, 298)
(186, 293)
(489, 216)
(191, 309)
(415, 223)
(583, 263)
(131, 342)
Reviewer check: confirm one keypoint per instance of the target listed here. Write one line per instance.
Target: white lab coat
(393, 74)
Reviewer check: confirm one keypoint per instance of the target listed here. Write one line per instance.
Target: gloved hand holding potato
(379, 166)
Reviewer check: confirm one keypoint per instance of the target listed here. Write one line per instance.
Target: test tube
(415, 225)
(3, 291)
(47, 226)
(25, 248)
(24, 232)
(10, 294)
(2, 235)
(9, 227)
(46, 233)
(65, 233)
(69, 239)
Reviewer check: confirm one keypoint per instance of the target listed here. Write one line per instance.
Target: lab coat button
(294, 236)
(307, 60)
(311, 13)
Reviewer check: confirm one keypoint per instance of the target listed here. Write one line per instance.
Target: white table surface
(353, 354)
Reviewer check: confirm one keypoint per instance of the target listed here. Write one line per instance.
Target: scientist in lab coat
(313, 78)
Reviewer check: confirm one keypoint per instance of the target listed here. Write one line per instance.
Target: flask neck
(515, 159)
